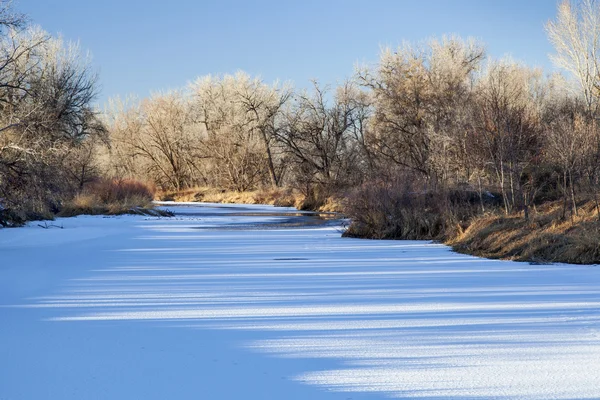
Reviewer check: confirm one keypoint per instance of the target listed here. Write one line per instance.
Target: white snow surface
(190, 308)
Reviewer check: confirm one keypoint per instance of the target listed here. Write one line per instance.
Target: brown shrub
(401, 210)
(280, 197)
(112, 197)
(545, 237)
(110, 191)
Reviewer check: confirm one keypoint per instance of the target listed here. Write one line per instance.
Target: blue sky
(144, 46)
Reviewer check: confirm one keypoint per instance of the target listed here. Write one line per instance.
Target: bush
(399, 210)
(110, 191)
(112, 197)
(10, 218)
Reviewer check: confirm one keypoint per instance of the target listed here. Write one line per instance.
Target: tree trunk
(270, 164)
(572, 192)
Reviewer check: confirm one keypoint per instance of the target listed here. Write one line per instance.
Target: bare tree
(46, 91)
(507, 129)
(263, 105)
(155, 140)
(575, 35)
(321, 137)
(399, 87)
(123, 119)
(9, 18)
(238, 119)
(419, 95)
(567, 143)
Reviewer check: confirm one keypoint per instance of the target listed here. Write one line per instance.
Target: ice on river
(222, 303)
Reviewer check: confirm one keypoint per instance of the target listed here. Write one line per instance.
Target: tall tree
(321, 135)
(238, 121)
(575, 35)
(46, 114)
(418, 97)
(507, 129)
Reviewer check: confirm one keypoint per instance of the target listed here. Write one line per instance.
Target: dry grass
(112, 197)
(280, 197)
(546, 237)
(391, 211)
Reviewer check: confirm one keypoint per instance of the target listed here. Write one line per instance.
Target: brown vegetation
(545, 237)
(401, 209)
(279, 197)
(390, 211)
(112, 197)
(48, 127)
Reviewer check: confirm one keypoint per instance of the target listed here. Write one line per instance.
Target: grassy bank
(279, 197)
(113, 197)
(377, 212)
(545, 237)
(476, 224)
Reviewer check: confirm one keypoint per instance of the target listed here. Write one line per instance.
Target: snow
(187, 307)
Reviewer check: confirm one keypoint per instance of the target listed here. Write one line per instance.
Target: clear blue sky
(144, 46)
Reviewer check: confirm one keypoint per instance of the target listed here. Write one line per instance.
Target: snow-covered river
(240, 302)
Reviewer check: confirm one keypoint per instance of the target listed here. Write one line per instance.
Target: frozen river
(255, 302)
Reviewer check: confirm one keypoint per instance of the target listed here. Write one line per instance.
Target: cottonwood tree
(46, 113)
(575, 35)
(567, 143)
(169, 139)
(507, 129)
(418, 99)
(219, 131)
(263, 105)
(124, 121)
(155, 139)
(322, 138)
(399, 87)
(452, 65)
(238, 120)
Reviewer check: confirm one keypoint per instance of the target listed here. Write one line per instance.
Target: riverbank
(279, 197)
(550, 234)
(547, 236)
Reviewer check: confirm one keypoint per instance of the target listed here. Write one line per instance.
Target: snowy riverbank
(186, 307)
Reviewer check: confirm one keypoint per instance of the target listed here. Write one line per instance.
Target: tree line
(439, 116)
